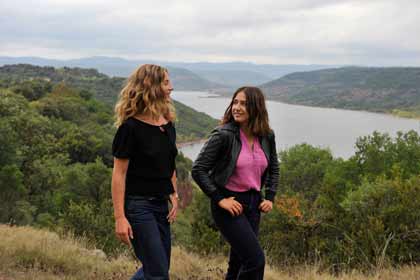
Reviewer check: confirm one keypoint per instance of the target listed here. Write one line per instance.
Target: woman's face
(239, 112)
(166, 86)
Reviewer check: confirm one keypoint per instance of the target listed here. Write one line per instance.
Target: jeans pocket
(136, 206)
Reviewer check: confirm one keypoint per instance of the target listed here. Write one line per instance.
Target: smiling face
(248, 110)
(166, 85)
(239, 111)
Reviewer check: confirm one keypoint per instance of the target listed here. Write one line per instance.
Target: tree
(302, 169)
(11, 191)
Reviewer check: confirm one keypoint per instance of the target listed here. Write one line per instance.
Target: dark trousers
(152, 236)
(246, 260)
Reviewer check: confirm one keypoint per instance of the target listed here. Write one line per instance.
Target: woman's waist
(244, 197)
(150, 197)
(148, 178)
(149, 188)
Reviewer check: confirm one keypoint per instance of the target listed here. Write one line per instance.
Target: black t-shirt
(151, 151)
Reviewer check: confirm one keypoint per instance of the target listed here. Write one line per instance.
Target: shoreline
(395, 112)
(189, 143)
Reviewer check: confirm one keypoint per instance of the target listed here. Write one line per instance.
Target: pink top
(250, 167)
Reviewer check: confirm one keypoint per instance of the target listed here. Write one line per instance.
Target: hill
(389, 90)
(46, 255)
(234, 78)
(211, 75)
(245, 73)
(182, 79)
(193, 125)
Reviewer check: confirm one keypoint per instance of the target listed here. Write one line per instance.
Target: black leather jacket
(217, 160)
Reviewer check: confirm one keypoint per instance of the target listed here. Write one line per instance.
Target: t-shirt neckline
(149, 124)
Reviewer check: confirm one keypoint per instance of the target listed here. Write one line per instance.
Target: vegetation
(33, 82)
(88, 80)
(48, 256)
(340, 214)
(334, 214)
(55, 160)
(102, 86)
(389, 90)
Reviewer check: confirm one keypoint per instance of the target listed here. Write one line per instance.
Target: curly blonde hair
(143, 94)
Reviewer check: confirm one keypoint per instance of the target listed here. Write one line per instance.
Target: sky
(355, 32)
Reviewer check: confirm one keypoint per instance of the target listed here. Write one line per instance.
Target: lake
(335, 129)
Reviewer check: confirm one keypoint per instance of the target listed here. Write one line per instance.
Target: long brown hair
(257, 111)
(142, 94)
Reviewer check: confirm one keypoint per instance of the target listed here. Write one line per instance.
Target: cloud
(378, 32)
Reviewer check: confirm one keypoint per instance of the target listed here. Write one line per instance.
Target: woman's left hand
(266, 206)
(172, 213)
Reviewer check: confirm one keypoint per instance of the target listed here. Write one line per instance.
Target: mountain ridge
(378, 89)
(219, 74)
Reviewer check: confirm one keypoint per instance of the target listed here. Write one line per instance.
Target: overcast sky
(362, 32)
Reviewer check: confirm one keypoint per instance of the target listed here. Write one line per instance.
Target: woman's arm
(206, 161)
(174, 200)
(273, 171)
(273, 177)
(122, 227)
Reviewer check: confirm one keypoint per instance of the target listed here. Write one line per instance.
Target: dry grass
(33, 254)
(28, 253)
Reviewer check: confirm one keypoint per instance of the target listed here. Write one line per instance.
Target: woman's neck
(248, 135)
(246, 130)
(151, 119)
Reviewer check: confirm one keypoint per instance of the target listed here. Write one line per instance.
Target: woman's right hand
(231, 205)
(123, 230)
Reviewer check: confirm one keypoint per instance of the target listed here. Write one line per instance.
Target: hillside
(390, 90)
(48, 256)
(183, 79)
(337, 214)
(105, 89)
(56, 160)
(234, 78)
(220, 75)
(359, 213)
(245, 73)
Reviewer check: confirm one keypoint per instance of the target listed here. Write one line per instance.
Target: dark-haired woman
(233, 167)
(143, 178)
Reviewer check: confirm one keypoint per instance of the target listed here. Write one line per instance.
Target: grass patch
(35, 254)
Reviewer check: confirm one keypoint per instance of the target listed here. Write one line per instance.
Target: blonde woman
(143, 178)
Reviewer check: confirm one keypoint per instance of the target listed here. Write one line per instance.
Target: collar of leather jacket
(232, 126)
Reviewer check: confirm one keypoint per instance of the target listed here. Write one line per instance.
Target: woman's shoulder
(227, 128)
(221, 131)
(224, 133)
(130, 126)
(271, 134)
(130, 122)
(170, 124)
(125, 129)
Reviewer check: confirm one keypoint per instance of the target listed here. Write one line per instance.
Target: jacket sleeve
(207, 159)
(273, 172)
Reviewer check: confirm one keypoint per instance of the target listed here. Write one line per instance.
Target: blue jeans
(246, 259)
(152, 236)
